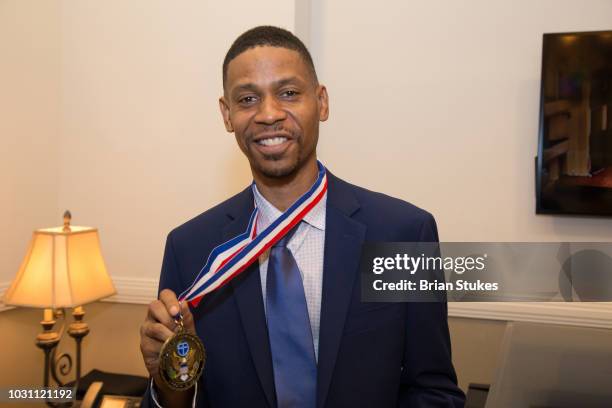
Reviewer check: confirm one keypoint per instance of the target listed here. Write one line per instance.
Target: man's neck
(282, 192)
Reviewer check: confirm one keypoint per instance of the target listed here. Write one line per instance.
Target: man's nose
(270, 111)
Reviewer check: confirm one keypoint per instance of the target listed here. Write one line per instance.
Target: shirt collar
(268, 213)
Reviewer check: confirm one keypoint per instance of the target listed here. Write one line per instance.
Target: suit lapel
(344, 238)
(248, 296)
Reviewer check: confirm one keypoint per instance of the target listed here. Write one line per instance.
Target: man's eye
(290, 93)
(247, 100)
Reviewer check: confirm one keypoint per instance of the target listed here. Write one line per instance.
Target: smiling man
(289, 329)
(273, 103)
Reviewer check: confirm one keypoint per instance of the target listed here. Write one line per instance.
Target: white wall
(29, 122)
(143, 147)
(110, 109)
(437, 102)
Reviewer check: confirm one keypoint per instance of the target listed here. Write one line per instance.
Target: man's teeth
(272, 141)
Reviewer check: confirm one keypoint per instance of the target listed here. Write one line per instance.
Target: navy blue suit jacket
(370, 354)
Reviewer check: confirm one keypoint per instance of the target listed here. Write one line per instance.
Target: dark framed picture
(574, 162)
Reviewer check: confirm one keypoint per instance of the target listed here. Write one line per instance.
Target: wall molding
(589, 314)
(134, 290)
(3, 287)
(129, 290)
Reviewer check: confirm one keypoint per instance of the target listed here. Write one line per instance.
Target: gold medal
(181, 359)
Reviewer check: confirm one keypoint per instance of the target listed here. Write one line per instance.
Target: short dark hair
(267, 36)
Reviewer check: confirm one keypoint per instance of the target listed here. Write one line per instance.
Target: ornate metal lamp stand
(48, 341)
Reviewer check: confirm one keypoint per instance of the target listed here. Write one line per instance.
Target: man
(329, 349)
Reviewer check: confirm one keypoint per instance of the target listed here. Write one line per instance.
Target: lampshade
(62, 268)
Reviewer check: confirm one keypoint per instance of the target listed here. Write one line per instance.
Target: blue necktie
(293, 358)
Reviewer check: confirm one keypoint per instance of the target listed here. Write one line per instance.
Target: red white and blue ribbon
(231, 258)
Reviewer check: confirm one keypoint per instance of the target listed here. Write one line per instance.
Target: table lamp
(63, 268)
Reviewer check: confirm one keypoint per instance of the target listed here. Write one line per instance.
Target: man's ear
(225, 113)
(323, 103)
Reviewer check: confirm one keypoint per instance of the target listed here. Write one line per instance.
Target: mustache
(275, 128)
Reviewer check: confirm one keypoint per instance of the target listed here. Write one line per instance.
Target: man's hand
(158, 326)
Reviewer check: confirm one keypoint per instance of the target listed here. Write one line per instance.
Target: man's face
(273, 104)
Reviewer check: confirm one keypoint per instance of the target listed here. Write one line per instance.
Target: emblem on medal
(181, 359)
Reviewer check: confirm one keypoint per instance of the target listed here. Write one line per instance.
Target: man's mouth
(272, 141)
(273, 144)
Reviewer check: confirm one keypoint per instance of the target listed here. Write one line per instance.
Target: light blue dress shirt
(307, 246)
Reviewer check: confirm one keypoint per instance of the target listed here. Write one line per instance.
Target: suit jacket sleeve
(428, 377)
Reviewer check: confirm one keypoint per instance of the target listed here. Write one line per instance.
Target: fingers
(159, 325)
(165, 310)
(152, 335)
(156, 331)
(159, 313)
(171, 304)
(168, 298)
(149, 346)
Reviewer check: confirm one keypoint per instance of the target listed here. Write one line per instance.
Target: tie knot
(286, 238)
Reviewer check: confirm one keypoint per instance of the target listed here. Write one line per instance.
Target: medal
(181, 359)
